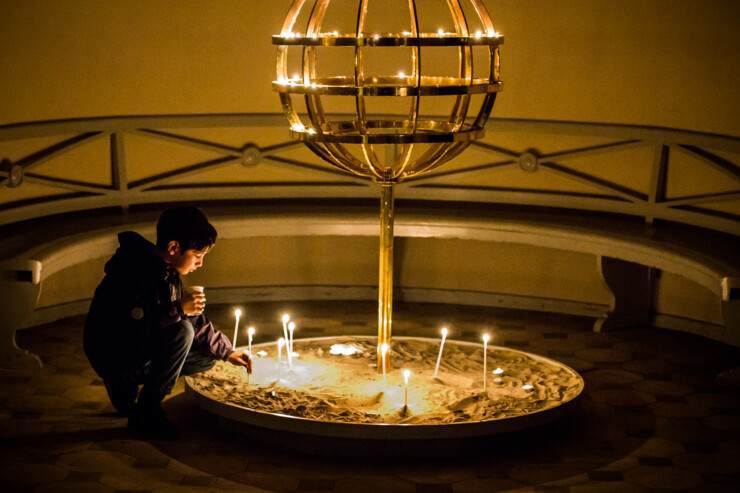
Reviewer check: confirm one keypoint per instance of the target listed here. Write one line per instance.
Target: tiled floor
(652, 417)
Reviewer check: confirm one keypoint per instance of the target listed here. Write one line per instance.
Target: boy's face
(186, 261)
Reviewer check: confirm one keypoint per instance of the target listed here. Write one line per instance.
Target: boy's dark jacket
(138, 296)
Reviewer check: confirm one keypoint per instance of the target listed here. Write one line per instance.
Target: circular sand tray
(338, 403)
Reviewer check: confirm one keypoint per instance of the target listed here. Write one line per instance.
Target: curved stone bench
(625, 260)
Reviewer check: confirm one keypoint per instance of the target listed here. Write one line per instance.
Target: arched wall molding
(592, 189)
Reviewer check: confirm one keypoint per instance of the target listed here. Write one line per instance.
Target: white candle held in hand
(406, 374)
(238, 314)
(444, 335)
(250, 333)
(486, 337)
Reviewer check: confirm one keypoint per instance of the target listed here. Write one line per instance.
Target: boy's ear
(173, 247)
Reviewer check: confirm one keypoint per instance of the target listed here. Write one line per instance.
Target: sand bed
(330, 387)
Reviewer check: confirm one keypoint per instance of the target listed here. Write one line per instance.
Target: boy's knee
(183, 333)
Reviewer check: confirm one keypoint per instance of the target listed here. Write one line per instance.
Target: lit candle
(485, 358)
(238, 314)
(383, 350)
(250, 333)
(406, 374)
(291, 328)
(286, 317)
(281, 343)
(444, 335)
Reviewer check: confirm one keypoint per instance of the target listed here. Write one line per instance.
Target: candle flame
(286, 317)
(291, 326)
(444, 332)
(486, 337)
(406, 374)
(250, 331)
(281, 342)
(238, 313)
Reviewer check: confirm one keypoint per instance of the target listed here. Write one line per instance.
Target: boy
(143, 330)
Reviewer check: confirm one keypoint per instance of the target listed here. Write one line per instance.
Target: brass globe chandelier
(386, 90)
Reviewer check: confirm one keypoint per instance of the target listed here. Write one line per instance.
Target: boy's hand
(193, 303)
(240, 359)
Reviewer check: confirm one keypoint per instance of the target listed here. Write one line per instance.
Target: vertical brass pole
(385, 283)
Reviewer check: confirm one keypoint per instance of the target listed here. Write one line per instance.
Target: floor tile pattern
(653, 417)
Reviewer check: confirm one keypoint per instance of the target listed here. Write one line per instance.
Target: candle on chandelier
(486, 337)
(444, 335)
(238, 314)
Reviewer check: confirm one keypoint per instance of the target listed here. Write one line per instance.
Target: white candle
(286, 317)
(383, 350)
(245, 352)
(291, 328)
(238, 314)
(444, 335)
(485, 358)
(250, 333)
(281, 343)
(406, 374)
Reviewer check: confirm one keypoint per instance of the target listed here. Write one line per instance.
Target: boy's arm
(209, 340)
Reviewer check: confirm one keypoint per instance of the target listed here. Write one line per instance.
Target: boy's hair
(188, 226)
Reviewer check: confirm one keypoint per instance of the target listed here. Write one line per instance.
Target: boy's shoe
(152, 423)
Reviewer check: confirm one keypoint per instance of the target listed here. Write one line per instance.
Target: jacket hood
(134, 253)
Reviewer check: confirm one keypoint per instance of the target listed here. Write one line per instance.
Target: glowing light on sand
(444, 335)
(498, 371)
(527, 387)
(344, 349)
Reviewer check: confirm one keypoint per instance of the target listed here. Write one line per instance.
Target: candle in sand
(486, 337)
(444, 335)
(238, 314)
(406, 374)
(291, 328)
(281, 343)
